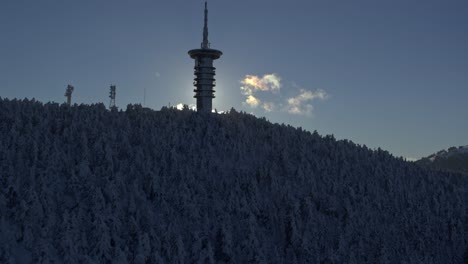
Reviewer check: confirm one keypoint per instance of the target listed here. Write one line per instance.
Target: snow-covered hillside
(85, 185)
(444, 154)
(454, 159)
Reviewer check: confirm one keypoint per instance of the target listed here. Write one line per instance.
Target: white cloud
(300, 104)
(264, 92)
(252, 101)
(253, 83)
(306, 95)
(268, 106)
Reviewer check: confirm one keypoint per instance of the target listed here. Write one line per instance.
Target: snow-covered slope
(454, 159)
(444, 154)
(85, 185)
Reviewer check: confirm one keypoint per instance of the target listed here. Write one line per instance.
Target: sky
(389, 74)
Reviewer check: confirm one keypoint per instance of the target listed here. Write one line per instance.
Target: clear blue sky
(395, 73)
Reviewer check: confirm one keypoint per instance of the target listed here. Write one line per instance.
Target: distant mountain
(82, 184)
(454, 159)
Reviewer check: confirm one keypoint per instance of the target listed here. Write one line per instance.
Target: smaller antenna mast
(112, 97)
(68, 93)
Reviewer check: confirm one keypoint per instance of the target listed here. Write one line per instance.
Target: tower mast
(112, 97)
(68, 93)
(204, 70)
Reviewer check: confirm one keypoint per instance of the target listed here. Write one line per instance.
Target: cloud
(300, 104)
(268, 106)
(265, 92)
(253, 83)
(252, 101)
(158, 75)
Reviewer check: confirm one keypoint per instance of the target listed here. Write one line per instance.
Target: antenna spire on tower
(206, 43)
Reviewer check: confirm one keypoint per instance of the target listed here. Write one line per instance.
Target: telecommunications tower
(112, 97)
(68, 93)
(204, 70)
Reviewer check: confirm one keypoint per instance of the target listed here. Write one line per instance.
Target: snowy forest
(82, 184)
(454, 159)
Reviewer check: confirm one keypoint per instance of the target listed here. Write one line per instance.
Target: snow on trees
(82, 184)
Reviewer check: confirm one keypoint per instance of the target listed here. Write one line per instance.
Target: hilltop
(82, 184)
(453, 159)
